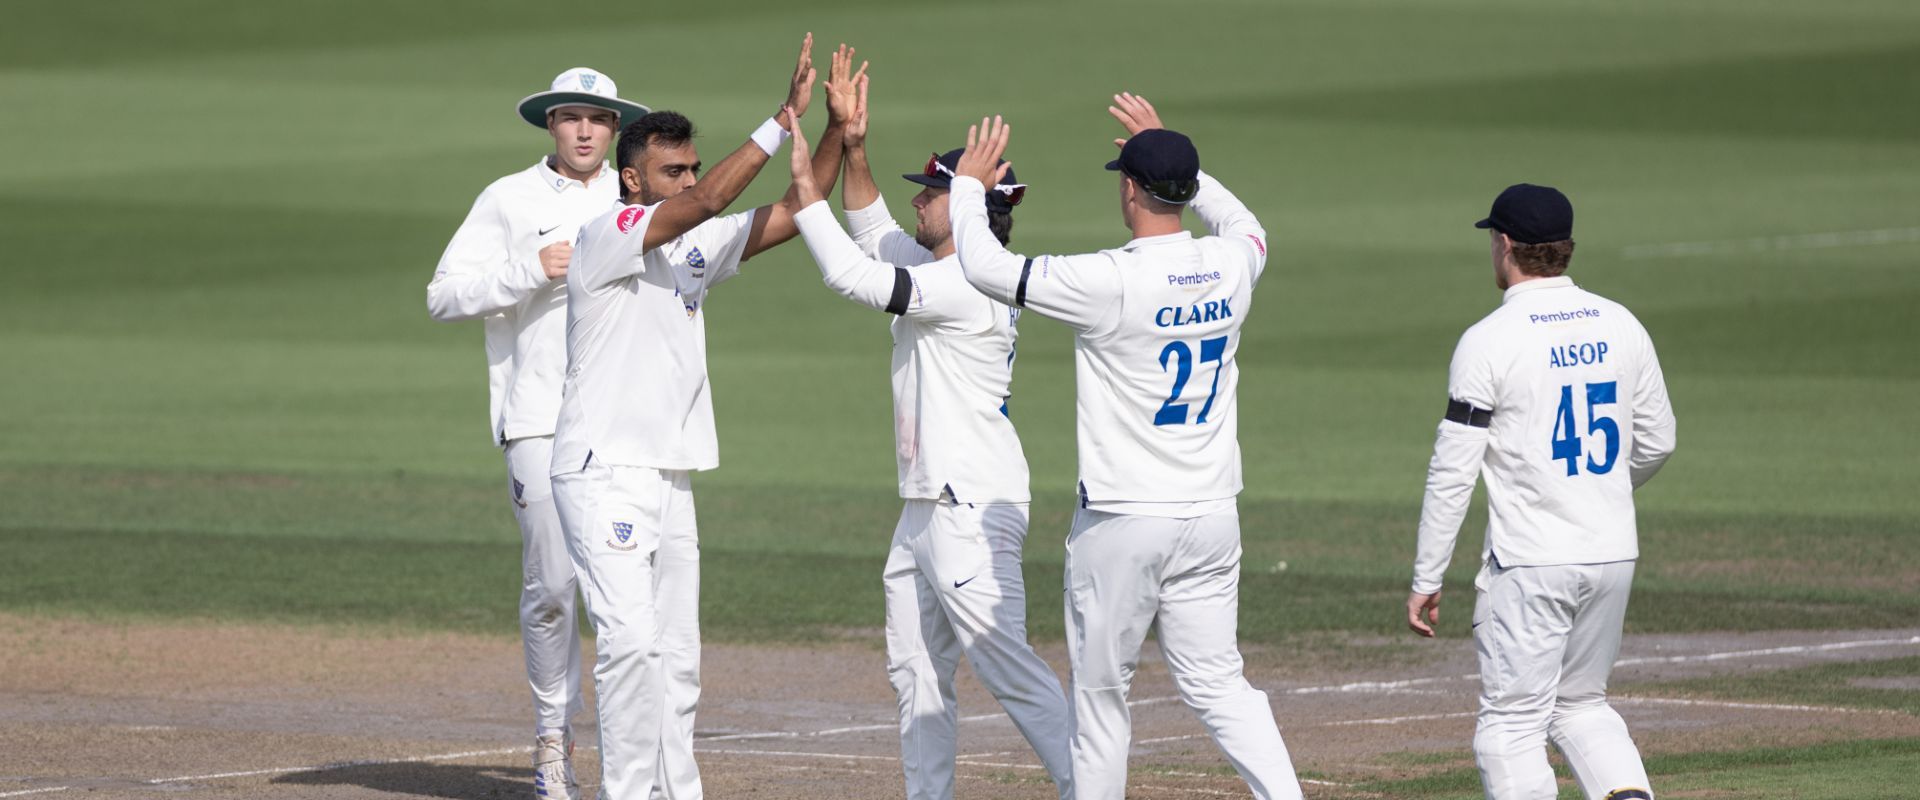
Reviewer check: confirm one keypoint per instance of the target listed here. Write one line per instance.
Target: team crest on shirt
(696, 259)
(629, 217)
(623, 532)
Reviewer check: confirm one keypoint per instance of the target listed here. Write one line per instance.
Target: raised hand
(855, 132)
(1135, 114)
(801, 162)
(985, 143)
(800, 89)
(843, 88)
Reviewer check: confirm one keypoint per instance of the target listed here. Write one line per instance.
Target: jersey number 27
(1214, 350)
(1566, 437)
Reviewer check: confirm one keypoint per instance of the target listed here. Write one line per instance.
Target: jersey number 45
(1566, 438)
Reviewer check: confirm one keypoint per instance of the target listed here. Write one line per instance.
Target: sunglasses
(1167, 191)
(1013, 192)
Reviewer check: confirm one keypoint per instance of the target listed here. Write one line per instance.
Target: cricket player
(1557, 399)
(505, 266)
(1157, 535)
(953, 581)
(636, 417)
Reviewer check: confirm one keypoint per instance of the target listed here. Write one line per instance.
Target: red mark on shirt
(631, 215)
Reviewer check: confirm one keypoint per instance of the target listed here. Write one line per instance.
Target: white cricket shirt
(1157, 324)
(1557, 399)
(953, 351)
(491, 269)
(636, 392)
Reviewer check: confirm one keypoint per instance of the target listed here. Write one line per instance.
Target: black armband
(1464, 413)
(902, 292)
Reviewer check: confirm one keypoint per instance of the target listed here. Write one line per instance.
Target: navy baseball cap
(1531, 214)
(1163, 162)
(939, 174)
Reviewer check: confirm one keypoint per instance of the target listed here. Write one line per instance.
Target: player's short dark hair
(1154, 204)
(662, 127)
(1543, 260)
(1001, 223)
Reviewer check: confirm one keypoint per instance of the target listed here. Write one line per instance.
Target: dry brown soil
(123, 710)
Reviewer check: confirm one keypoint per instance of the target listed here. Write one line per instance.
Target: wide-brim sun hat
(580, 86)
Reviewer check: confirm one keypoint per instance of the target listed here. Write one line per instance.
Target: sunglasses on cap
(1168, 191)
(1014, 192)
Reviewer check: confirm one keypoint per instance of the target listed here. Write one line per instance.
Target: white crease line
(25, 792)
(1676, 701)
(1170, 738)
(798, 754)
(1394, 720)
(1185, 789)
(1765, 244)
(1375, 686)
(1771, 651)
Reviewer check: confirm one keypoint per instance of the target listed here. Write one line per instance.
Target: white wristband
(769, 135)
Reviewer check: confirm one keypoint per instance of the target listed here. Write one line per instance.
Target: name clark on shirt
(1209, 311)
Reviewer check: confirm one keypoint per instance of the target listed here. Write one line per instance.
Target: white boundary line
(1768, 244)
(1363, 686)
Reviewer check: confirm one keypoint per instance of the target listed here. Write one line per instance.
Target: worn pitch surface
(230, 711)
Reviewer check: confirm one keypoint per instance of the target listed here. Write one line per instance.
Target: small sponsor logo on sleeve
(1258, 245)
(629, 217)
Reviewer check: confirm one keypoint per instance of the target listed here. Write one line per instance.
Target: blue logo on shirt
(696, 259)
(623, 531)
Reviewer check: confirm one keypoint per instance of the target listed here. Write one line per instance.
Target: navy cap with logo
(1163, 162)
(939, 174)
(1531, 214)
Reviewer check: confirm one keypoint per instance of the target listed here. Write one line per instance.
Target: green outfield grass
(1870, 769)
(224, 397)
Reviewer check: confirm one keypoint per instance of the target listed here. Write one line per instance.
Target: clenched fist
(554, 258)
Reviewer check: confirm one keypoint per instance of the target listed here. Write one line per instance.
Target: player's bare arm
(773, 224)
(806, 187)
(859, 191)
(686, 210)
(987, 264)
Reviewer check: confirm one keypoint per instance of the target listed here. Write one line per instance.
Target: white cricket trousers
(1547, 638)
(953, 586)
(1124, 570)
(549, 631)
(635, 544)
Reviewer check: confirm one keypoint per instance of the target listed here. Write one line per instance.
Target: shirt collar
(1559, 282)
(560, 183)
(1165, 238)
